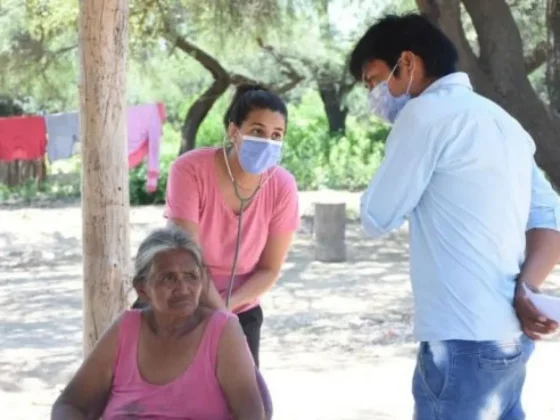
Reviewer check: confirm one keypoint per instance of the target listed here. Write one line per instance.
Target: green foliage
(316, 159)
(67, 188)
(38, 46)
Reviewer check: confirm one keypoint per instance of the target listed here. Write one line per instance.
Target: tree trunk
(553, 55)
(335, 111)
(500, 71)
(198, 112)
(329, 228)
(105, 197)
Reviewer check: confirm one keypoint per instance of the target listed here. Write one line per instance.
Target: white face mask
(383, 104)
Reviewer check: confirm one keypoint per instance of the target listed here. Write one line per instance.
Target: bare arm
(542, 250)
(213, 299)
(542, 254)
(86, 395)
(236, 374)
(268, 271)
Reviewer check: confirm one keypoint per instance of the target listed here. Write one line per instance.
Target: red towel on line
(22, 138)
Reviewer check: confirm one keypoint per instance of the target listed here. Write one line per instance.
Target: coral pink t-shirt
(193, 194)
(194, 395)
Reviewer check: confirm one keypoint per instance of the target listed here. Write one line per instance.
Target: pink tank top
(195, 395)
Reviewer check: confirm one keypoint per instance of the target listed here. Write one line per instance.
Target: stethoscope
(244, 203)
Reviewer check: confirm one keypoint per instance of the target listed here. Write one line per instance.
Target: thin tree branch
(536, 58)
(496, 28)
(447, 15)
(284, 58)
(205, 59)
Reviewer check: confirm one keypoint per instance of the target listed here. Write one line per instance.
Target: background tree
(174, 23)
(499, 65)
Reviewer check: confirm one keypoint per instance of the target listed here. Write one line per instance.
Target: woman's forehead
(266, 118)
(173, 258)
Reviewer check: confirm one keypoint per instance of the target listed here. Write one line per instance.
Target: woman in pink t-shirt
(174, 359)
(203, 197)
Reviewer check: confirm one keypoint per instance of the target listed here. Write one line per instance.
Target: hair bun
(248, 87)
(249, 96)
(244, 88)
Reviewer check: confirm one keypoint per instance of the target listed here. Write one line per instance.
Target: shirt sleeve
(545, 203)
(182, 196)
(411, 153)
(285, 218)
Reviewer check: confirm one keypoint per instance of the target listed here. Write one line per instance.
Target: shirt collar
(457, 79)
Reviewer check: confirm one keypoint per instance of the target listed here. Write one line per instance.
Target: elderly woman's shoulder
(110, 337)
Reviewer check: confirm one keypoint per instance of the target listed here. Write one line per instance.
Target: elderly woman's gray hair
(161, 240)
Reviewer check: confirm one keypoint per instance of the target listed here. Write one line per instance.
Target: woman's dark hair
(248, 98)
(386, 40)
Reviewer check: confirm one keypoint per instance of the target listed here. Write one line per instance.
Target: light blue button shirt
(462, 171)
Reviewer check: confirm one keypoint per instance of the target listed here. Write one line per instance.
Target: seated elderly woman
(175, 359)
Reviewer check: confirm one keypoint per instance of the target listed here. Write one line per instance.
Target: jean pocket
(501, 355)
(434, 368)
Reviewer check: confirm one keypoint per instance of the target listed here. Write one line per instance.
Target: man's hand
(533, 322)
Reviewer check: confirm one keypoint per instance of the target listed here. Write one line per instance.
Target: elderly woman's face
(175, 283)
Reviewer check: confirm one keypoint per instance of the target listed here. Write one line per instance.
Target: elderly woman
(175, 359)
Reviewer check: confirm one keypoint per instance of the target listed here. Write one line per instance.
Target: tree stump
(329, 228)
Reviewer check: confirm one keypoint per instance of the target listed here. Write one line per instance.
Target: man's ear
(407, 61)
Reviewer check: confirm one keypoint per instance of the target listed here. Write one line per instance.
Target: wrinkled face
(262, 123)
(377, 71)
(174, 284)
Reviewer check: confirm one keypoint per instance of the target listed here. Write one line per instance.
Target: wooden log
(105, 197)
(329, 228)
(19, 172)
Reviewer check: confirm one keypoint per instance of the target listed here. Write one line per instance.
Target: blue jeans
(471, 380)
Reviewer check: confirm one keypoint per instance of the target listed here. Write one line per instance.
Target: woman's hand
(212, 298)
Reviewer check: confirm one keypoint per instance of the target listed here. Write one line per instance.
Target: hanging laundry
(63, 132)
(22, 138)
(144, 124)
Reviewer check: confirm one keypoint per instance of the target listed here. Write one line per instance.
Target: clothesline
(57, 136)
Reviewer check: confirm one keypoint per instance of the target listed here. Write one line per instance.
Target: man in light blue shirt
(483, 220)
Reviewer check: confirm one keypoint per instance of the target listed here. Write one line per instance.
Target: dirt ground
(337, 341)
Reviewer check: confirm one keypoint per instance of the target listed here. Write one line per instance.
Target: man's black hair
(390, 36)
(250, 97)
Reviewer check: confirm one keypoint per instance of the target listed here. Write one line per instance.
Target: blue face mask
(383, 104)
(257, 155)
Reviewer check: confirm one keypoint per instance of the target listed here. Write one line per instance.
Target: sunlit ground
(337, 341)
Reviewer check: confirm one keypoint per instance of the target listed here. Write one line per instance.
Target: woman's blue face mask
(383, 104)
(257, 155)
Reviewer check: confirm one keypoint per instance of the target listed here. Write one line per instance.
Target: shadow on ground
(320, 318)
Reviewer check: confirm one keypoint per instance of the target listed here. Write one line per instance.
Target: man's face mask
(383, 104)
